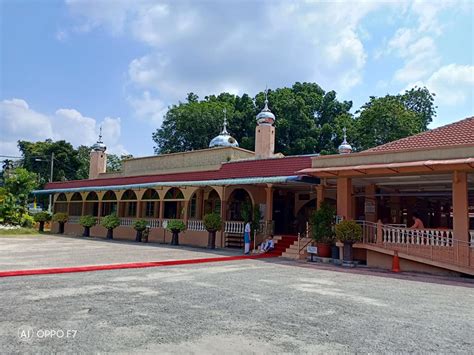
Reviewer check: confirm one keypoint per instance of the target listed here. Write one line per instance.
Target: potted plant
(348, 232)
(212, 223)
(61, 218)
(322, 222)
(175, 226)
(42, 218)
(139, 225)
(87, 222)
(110, 222)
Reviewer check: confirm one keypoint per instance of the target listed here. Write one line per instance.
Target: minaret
(265, 132)
(98, 158)
(224, 139)
(345, 148)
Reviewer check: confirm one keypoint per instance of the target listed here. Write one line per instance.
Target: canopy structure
(220, 182)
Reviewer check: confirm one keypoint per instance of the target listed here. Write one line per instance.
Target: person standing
(247, 231)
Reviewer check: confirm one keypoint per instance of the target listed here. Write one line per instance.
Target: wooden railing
(195, 225)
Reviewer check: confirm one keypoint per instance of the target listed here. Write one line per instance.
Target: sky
(70, 67)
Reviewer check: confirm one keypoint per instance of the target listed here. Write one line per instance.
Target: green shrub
(348, 231)
(140, 225)
(322, 223)
(27, 221)
(60, 217)
(43, 216)
(212, 222)
(111, 221)
(176, 224)
(88, 221)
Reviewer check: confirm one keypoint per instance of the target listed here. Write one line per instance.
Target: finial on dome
(224, 130)
(99, 145)
(224, 139)
(265, 117)
(345, 147)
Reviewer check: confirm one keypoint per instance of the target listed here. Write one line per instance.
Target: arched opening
(150, 205)
(238, 200)
(75, 206)
(204, 201)
(174, 203)
(91, 206)
(304, 215)
(109, 203)
(128, 204)
(61, 204)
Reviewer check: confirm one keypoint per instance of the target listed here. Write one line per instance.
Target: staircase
(282, 243)
(293, 253)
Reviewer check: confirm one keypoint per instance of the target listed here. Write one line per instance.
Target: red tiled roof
(287, 166)
(457, 133)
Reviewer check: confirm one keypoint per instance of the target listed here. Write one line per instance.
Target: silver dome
(265, 117)
(345, 147)
(99, 146)
(224, 139)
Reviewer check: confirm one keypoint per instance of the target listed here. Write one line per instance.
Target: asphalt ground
(245, 306)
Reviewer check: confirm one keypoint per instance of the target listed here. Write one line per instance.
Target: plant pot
(61, 227)
(87, 232)
(138, 237)
(110, 234)
(175, 237)
(211, 240)
(334, 252)
(348, 252)
(324, 250)
(41, 227)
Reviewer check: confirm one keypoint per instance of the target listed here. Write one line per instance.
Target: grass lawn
(17, 231)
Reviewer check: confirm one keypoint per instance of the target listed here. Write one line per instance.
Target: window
(150, 209)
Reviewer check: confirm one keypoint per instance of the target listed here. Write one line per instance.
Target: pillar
(269, 203)
(319, 196)
(344, 198)
(460, 207)
(162, 209)
(370, 203)
(99, 209)
(223, 216)
(139, 209)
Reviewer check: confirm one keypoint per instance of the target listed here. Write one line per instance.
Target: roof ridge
(428, 132)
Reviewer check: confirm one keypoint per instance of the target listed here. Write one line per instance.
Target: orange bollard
(396, 263)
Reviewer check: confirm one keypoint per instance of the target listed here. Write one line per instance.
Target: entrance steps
(292, 251)
(282, 243)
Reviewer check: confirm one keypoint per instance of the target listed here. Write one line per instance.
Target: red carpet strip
(66, 270)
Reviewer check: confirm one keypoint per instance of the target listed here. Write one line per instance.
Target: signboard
(312, 250)
(165, 224)
(369, 206)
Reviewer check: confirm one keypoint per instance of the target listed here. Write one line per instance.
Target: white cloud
(206, 47)
(20, 122)
(148, 108)
(453, 84)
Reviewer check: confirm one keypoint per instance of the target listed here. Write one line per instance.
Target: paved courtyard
(261, 306)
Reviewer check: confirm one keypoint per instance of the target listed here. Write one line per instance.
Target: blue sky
(68, 67)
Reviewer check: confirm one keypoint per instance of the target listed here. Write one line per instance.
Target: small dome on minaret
(224, 139)
(345, 148)
(266, 117)
(99, 146)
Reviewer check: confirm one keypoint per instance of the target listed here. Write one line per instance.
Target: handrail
(309, 241)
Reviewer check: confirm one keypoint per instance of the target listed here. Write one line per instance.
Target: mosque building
(431, 173)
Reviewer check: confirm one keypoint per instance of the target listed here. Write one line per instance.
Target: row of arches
(174, 204)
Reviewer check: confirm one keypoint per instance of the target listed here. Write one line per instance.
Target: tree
(37, 158)
(421, 102)
(305, 113)
(14, 195)
(114, 162)
(383, 120)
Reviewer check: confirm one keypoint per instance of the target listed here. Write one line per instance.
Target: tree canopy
(309, 119)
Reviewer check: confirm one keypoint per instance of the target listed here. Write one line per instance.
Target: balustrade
(195, 225)
(432, 237)
(234, 227)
